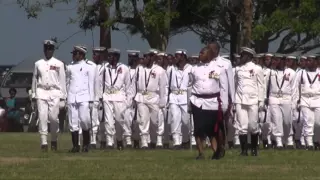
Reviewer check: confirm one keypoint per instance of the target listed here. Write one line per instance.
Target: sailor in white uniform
(81, 94)
(48, 90)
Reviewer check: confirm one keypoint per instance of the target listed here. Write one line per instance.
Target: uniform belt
(178, 92)
(310, 95)
(207, 96)
(45, 87)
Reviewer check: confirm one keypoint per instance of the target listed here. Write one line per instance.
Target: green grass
(20, 158)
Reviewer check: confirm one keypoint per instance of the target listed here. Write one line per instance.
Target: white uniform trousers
(247, 117)
(310, 124)
(95, 117)
(281, 118)
(157, 133)
(180, 123)
(148, 113)
(130, 126)
(266, 127)
(48, 111)
(113, 120)
(79, 116)
(166, 126)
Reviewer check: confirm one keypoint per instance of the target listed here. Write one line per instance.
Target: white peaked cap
(311, 56)
(195, 56)
(268, 55)
(279, 55)
(303, 57)
(291, 57)
(99, 49)
(248, 50)
(181, 51)
(133, 52)
(236, 55)
(49, 42)
(114, 50)
(154, 51)
(162, 54)
(80, 48)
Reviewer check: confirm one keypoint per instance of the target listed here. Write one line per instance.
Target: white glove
(96, 104)
(261, 106)
(224, 108)
(62, 104)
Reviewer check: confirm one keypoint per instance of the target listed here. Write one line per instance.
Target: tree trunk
(247, 23)
(235, 27)
(160, 42)
(105, 33)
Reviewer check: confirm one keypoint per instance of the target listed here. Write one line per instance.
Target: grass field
(20, 158)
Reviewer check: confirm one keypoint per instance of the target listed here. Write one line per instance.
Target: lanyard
(282, 82)
(309, 79)
(145, 78)
(179, 84)
(110, 74)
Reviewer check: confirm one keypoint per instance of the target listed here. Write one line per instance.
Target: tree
(152, 19)
(296, 23)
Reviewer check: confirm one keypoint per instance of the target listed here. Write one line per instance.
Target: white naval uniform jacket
(98, 84)
(209, 79)
(179, 86)
(249, 84)
(116, 83)
(80, 82)
(228, 68)
(151, 85)
(282, 86)
(310, 88)
(49, 79)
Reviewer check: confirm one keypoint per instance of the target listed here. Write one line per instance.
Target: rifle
(299, 110)
(136, 108)
(267, 99)
(168, 98)
(103, 89)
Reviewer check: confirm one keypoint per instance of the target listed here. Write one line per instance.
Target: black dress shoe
(310, 148)
(159, 147)
(166, 145)
(109, 147)
(103, 145)
(144, 148)
(230, 144)
(54, 146)
(75, 149)
(200, 157)
(176, 147)
(129, 146)
(254, 152)
(289, 147)
(93, 146)
(44, 148)
(136, 144)
(120, 145)
(152, 145)
(85, 149)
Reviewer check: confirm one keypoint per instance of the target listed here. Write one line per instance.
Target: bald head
(205, 54)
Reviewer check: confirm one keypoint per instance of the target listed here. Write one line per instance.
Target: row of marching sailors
(288, 117)
(132, 100)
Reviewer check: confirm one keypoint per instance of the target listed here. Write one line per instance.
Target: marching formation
(160, 97)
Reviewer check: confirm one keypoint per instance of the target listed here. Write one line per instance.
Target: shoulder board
(88, 62)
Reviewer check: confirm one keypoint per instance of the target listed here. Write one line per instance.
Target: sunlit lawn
(20, 158)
